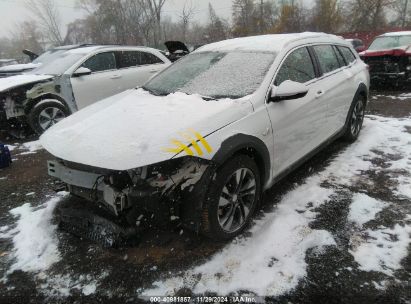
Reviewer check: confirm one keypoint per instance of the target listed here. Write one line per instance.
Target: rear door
(298, 125)
(104, 80)
(336, 85)
(136, 67)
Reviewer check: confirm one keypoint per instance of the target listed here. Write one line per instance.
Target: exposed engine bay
(160, 190)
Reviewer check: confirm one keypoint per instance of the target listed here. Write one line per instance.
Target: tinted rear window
(348, 55)
(327, 58)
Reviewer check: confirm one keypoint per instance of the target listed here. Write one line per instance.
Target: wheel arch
(247, 145)
(31, 103)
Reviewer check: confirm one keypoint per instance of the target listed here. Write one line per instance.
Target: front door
(298, 125)
(104, 81)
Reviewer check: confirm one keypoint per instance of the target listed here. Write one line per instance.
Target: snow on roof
(403, 33)
(266, 43)
(84, 50)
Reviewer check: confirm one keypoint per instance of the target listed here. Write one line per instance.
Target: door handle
(319, 93)
(115, 77)
(153, 71)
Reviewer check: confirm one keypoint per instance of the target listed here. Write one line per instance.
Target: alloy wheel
(357, 117)
(50, 116)
(236, 200)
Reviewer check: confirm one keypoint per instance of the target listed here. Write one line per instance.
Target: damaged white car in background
(204, 138)
(75, 79)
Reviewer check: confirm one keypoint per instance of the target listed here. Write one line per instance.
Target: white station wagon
(75, 79)
(204, 138)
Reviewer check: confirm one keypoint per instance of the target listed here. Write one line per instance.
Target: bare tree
(153, 10)
(368, 15)
(402, 9)
(186, 15)
(49, 17)
(327, 16)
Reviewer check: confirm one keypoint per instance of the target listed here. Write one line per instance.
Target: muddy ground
(170, 250)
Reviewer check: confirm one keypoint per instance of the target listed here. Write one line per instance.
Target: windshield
(57, 67)
(48, 56)
(390, 42)
(214, 74)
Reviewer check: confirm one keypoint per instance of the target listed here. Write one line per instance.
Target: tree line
(144, 22)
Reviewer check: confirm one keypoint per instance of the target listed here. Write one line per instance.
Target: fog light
(408, 67)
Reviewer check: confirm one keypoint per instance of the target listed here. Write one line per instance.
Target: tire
(225, 210)
(45, 114)
(355, 119)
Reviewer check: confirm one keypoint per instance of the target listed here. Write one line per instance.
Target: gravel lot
(338, 254)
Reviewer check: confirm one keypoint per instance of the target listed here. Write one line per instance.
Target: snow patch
(364, 208)
(270, 262)
(34, 239)
(383, 249)
(33, 146)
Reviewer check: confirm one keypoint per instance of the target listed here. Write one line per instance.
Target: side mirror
(288, 90)
(81, 71)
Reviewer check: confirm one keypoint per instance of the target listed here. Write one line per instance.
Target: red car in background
(389, 58)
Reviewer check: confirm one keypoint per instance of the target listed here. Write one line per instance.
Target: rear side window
(137, 58)
(298, 67)
(348, 55)
(101, 62)
(129, 59)
(327, 58)
(148, 58)
(340, 58)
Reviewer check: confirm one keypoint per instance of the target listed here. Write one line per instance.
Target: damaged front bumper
(168, 189)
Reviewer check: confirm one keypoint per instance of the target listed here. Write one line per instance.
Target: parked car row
(203, 138)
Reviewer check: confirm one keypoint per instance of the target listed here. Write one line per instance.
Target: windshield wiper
(152, 92)
(207, 97)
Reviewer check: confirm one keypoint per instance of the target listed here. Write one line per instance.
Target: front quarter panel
(252, 131)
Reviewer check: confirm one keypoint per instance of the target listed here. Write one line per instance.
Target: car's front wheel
(46, 114)
(355, 119)
(233, 196)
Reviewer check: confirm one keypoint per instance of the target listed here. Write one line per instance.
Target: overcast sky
(14, 11)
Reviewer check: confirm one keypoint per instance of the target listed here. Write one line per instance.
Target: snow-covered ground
(30, 147)
(272, 258)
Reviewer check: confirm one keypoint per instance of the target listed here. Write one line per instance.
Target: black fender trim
(243, 142)
(192, 202)
(362, 89)
(31, 103)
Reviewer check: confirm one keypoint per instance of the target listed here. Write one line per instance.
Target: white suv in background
(74, 80)
(204, 138)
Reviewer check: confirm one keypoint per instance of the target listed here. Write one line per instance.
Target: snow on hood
(19, 67)
(18, 80)
(131, 129)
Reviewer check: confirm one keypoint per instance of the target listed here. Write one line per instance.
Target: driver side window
(298, 67)
(101, 62)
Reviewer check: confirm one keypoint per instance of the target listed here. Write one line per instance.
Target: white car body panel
(18, 80)
(97, 86)
(131, 129)
(88, 89)
(19, 67)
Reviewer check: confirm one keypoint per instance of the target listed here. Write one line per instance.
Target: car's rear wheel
(355, 119)
(233, 196)
(46, 114)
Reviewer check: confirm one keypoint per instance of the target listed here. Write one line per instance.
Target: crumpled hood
(18, 80)
(399, 51)
(19, 67)
(134, 128)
